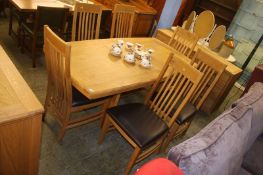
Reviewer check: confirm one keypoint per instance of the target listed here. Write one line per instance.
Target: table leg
(114, 100)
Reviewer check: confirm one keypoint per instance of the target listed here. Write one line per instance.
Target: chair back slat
(183, 41)
(212, 68)
(174, 87)
(122, 21)
(59, 90)
(86, 21)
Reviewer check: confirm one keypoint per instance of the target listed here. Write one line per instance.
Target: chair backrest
(122, 21)
(54, 17)
(59, 90)
(174, 87)
(183, 41)
(190, 20)
(204, 24)
(86, 21)
(217, 37)
(212, 68)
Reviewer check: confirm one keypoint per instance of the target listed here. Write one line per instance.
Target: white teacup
(129, 46)
(130, 58)
(146, 63)
(116, 50)
(138, 47)
(120, 43)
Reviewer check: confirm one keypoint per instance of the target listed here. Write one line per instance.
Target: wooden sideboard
(225, 82)
(20, 122)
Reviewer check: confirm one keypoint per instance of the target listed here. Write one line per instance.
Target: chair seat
(140, 123)
(186, 114)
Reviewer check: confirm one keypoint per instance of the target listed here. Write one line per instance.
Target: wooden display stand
(20, 122)
(225, 82)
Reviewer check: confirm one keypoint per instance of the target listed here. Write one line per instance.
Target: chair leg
(33, 50)
(104, 129)
(186, 129)
(105, 107)
(43, 116)
(132, 161)
(61, 133)
(22, 41)
(169, 137)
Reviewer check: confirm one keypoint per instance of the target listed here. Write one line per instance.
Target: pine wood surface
(59, 91)
(14, 104)
(20, 122)
(122, 21)
(86, 21)
(96, 73)
(183, 41)
(204, 24)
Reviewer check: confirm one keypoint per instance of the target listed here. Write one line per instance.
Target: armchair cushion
(218, 148)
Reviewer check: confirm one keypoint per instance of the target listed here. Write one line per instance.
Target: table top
(231, 68)
(96, 73)
(31, 5)
(17, 101)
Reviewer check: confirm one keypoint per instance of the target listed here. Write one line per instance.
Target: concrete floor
(79, 152)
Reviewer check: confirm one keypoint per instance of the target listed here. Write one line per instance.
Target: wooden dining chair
(204, 24)
(122, 21)
(86, 21)
(189, 21)
(217, 38)
(183, 41)
(212, 69)
(145, 126)
(54, 17)
(62, 98)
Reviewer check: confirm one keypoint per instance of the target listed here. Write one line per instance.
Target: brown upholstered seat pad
(139, 122)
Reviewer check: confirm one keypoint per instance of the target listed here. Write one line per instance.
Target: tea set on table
(133, 53)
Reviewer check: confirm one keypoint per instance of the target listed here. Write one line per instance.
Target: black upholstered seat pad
(139, 122)
(78, 99)
(186, 114)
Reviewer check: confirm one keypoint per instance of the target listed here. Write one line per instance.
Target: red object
(159, 166)
(257, 76)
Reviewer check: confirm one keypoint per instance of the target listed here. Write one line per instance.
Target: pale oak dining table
(96, 73)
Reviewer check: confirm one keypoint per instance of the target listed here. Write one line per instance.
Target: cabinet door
(20, 146)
